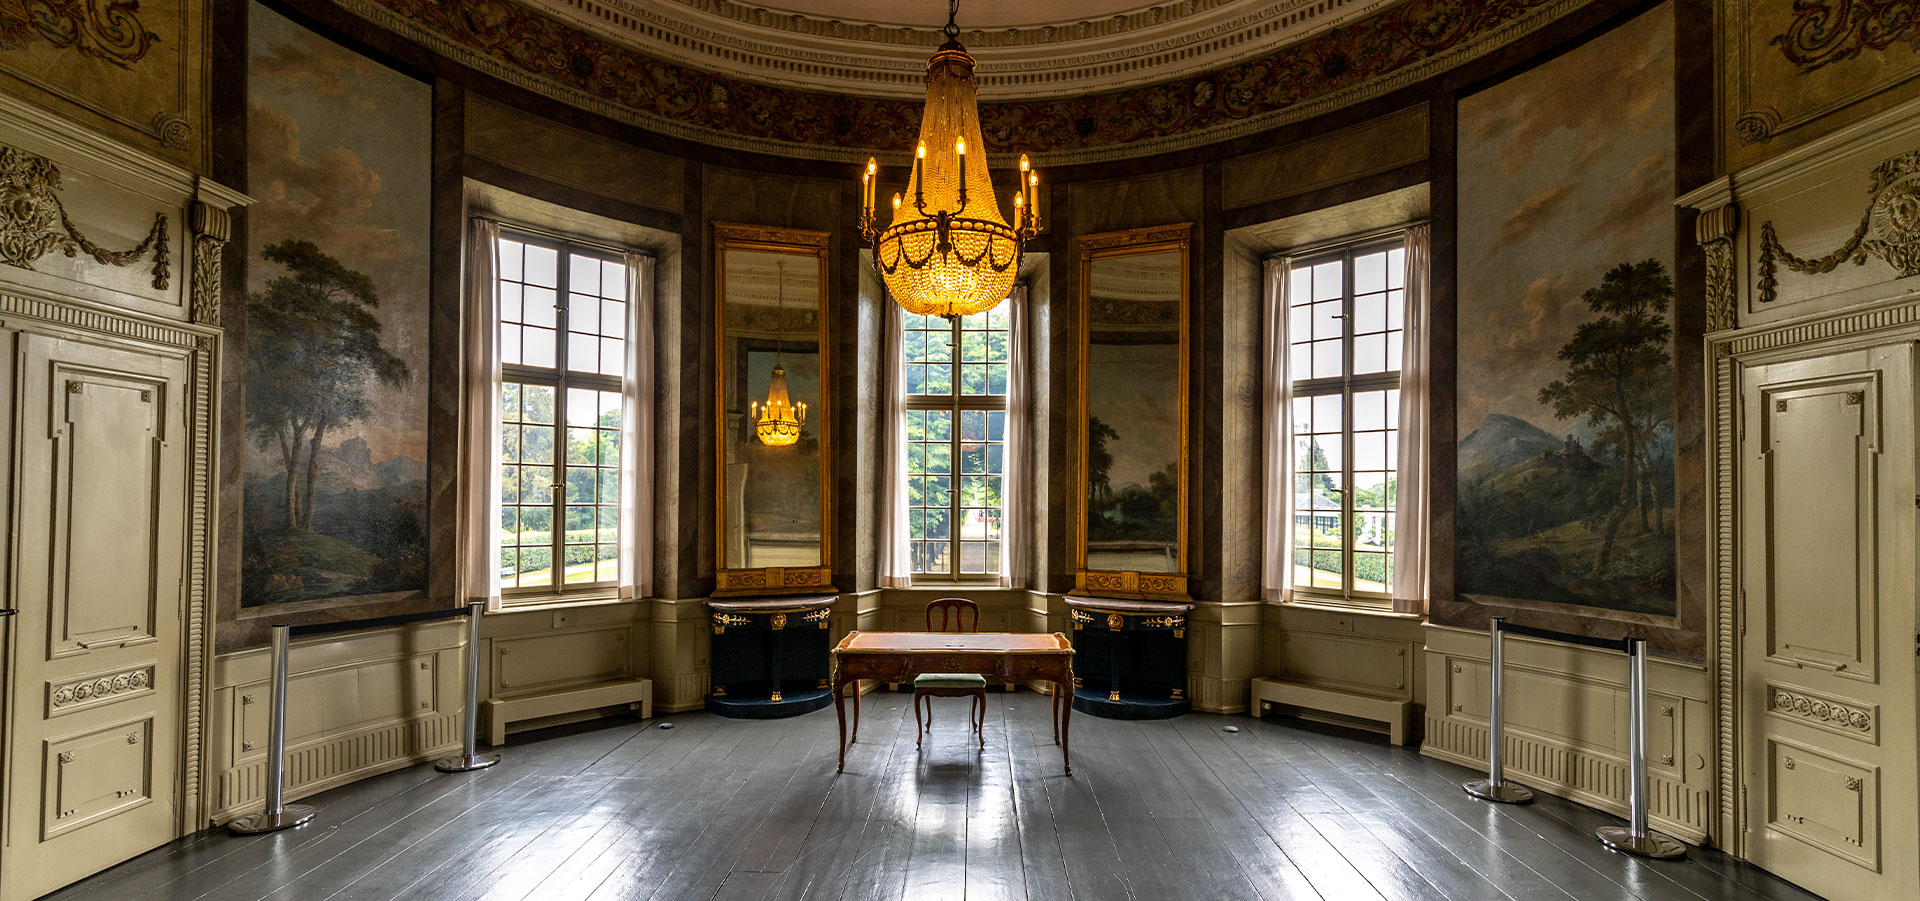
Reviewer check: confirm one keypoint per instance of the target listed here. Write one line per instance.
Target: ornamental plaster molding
(1155, 44)
(1889, 229)
(1401, 45)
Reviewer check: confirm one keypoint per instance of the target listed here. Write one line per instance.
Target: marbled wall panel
(1239, 534)
(1795, 71)
(572, 157)
(137, 71)
(1375, 146)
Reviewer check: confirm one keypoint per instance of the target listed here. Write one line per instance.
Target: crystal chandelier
(948, 251)
(777, 422)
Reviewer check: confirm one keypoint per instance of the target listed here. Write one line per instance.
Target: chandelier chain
(952, 31)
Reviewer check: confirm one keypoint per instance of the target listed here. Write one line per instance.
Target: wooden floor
(743, 809)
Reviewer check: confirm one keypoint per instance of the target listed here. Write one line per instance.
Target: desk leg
(856, 711)
(1066, 722)
(840, 715)
(1056, 712)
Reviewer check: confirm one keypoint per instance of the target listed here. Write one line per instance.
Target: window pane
(510, 309)
(510, 252)
(1327, 319)
(1327, 413)
(939, 378)
(537, 348)
(1370, 410)
(1300, 286)
(613, 360)
(583, 312)
(539, 308)
(1370, 354)
(939, 425)
(613, 319)
(613, 279)
(510, 344)
(1370, 273)
(1326, 359)
(583, 353)
(1370, 313)
(542, 266)
(583, 274)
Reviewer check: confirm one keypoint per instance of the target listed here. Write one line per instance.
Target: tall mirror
(770, 293)
(1133, 413)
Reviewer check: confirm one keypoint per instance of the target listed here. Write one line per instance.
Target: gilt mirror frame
(806, 246)
(1177, 238)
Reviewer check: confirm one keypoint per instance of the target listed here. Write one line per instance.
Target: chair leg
(980, 725)
(916, 720)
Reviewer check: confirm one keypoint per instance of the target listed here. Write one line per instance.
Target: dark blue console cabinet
(1130, 657)
(770, 656)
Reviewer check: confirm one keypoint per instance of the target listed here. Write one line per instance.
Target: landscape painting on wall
(335, 322)
(1566, 384)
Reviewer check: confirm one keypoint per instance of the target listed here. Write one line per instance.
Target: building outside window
(564, 325)
(956, 409)
(1345, 309)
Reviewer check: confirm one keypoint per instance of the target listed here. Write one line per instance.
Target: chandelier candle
(950, 252)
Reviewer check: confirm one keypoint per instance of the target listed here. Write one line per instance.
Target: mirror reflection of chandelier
(777, 422)
(948, 251)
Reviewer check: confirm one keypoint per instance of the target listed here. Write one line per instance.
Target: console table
(1011, 657)
(1133, 655)
(770, 655)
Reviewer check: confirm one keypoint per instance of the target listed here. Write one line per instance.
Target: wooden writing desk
(1004, 656)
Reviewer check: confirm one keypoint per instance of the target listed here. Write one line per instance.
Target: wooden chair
(953, 618)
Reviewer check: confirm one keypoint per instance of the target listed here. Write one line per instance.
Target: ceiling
(974, 14)
(1029, 49)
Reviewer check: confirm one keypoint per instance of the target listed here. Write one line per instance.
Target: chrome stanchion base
(1653, 844)
(255, 823)
(1504, 793)
(464, 764)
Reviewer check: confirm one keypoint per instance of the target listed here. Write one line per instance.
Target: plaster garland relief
(33, 222)
(1889, 229)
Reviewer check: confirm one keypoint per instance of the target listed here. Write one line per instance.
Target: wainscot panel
(1566, 724)
(357, 705)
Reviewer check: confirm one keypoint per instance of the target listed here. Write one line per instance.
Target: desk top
(948, 642)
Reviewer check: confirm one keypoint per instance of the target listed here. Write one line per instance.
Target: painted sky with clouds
(1566, 170)
(340, 153)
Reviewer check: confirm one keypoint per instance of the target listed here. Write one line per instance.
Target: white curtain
(1413, 503)
(895, 558)
(1016, 509)
(480, 433)
(1276, 442)
(636, 432)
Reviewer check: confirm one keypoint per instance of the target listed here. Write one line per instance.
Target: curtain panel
(480, 424)
(1276, 444)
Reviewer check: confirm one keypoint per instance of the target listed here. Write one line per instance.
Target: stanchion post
(1634, 838)
(1495, 787)
(276, 815)
(470, 757)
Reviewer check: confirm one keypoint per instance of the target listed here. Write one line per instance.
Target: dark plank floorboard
(731, 810)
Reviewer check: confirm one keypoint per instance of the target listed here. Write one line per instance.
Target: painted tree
(1618, 365)
(313, 345)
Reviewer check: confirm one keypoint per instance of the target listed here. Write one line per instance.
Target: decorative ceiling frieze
(1057, 60)
(1399, 46)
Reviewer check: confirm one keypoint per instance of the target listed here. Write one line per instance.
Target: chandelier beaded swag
(948, 251)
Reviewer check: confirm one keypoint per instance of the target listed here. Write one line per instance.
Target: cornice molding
(1155, 44)
(1401, 45)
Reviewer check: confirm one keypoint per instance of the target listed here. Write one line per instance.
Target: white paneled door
(1831, 799)
(94, 452)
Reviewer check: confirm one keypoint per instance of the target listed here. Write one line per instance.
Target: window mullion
(953, 454)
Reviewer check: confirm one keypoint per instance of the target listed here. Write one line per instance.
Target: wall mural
(133, 65)
(335, 331)
(104, 29)
(624, 82)
(1566, 386)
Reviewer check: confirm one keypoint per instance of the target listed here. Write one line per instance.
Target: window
(956, 406)
(1345, 310)
(564, 328)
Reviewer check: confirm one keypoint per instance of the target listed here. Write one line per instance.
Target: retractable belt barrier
(1633, 838)
(278, 815)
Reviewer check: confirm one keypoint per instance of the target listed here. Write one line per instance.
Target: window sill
(1325, 606)
(537, 603)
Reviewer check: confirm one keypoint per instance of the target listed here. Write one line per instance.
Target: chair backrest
(953, 615)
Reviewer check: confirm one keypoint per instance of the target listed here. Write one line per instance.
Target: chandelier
(948, 251)
(777, 422)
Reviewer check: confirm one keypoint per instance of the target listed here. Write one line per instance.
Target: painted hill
(1501, 443)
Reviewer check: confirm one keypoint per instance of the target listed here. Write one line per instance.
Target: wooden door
(1827, 626)
(94, 654)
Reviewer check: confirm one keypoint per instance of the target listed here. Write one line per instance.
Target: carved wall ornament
(1823, 710)
(1888, 229)
(1756, 126)
(33, 223)
(173, 130)
(103, 29)
(1828, 31)
(211, 228)
(1714, 230)
(102, 687)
